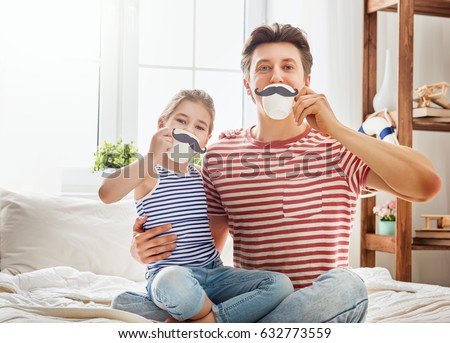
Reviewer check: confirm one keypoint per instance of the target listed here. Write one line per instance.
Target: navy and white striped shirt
(180, 200)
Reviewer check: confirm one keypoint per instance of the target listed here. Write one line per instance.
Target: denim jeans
(337, 296)
(240, 296)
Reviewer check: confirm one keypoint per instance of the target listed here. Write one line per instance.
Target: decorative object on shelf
(437, 236)
(435, 92)
(382, 127)
(386, 97)
(386, 223)
(110, 157)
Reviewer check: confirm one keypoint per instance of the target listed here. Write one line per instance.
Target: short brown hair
(274, 34)
(194, 95)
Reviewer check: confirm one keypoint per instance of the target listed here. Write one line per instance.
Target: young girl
(192, 284)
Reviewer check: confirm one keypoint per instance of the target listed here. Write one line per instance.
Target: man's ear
(308, 80)
(248, 90)
(247, 87)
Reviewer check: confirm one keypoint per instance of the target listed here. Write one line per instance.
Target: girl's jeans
(241, 296)
(338, 295)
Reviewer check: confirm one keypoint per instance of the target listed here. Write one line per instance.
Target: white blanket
(63, 294)
(404, 302)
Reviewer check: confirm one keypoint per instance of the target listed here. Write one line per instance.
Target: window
(49, 82)
(76, 72)
(190, 44)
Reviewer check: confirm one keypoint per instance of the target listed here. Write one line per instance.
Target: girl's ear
(161, 124)
(207, 139)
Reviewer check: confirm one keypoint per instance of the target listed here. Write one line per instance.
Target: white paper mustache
(279, 104)
(185, 147)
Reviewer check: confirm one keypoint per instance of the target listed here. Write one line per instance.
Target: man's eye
(289, 67)
(264, 68)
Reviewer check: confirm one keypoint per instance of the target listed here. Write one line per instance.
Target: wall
(335, 34)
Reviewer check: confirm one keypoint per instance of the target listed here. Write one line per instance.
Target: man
(286, 189)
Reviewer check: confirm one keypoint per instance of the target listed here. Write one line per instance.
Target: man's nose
(277, 75)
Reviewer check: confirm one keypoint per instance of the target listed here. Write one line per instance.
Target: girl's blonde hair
(194, 95)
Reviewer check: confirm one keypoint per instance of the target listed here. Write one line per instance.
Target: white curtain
(334, 30)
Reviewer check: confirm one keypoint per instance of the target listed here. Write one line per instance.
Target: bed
(64, 259)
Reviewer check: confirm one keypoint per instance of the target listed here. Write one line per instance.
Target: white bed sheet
(404, 302)
(64, 294)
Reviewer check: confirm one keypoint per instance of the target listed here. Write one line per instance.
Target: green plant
(114, 155)
(198, 159)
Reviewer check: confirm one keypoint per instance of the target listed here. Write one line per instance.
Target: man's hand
(229, 133)
(146, 247)
(317, 111)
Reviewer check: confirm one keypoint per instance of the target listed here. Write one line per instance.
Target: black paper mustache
(276, 90)
(184, 138)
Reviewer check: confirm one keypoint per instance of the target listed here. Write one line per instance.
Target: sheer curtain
(334, 30)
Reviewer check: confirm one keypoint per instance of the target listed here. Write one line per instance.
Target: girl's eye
(201, 128)
(181, 121)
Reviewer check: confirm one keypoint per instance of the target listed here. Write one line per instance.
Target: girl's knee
(171, 278)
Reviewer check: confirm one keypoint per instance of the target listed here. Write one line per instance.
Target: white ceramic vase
(386, 97)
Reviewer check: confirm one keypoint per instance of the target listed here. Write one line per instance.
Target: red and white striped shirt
(290, 204)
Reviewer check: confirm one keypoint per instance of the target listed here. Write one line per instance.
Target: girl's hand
(229, 133)
(162, 142)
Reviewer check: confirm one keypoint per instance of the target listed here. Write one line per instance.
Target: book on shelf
(431, 241)
(421, 112)
(433, 233)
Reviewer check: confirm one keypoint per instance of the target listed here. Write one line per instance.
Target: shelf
(381, 243)
(376, 242)
(401, 245)
(437, 8)
(429, 247)
(431, 124)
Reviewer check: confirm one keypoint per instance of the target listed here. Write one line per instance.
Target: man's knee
(282, 284)
(353, 295)
(351, 281)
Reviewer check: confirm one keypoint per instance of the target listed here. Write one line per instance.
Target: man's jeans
(337, 296)
(241, 296)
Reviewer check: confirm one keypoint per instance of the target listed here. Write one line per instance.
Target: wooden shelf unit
(401, 244)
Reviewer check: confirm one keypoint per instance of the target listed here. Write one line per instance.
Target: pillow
(41, 231)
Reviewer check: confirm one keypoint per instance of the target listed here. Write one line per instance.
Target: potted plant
(110, 157)
(386, 213)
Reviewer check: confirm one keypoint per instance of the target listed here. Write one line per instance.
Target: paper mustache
(185, 147)
(282, 90)
(277, 100)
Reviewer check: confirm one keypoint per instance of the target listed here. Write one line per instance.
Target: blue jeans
(241, 296)
(337, 296)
